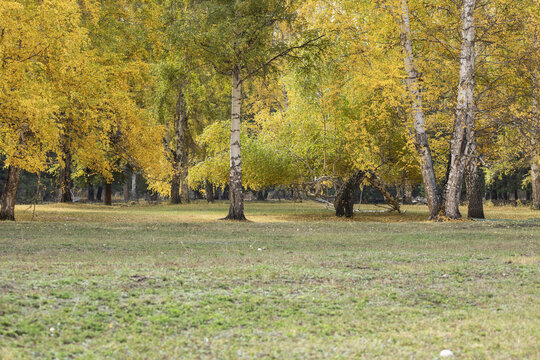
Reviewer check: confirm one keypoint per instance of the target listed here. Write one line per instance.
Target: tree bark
(236, 208)
(126, 185)
(9, 194)
(184, 187)
(344, 202)
(535, 177)
(125, 190)
(209, 189)
(408, 194)
(399, 193)
(108, 194)
(91, 197)
(262, 195)
(175, 190)
(535, 159)
(65, 176)
(377, 183)
(463, 135)
(421, 140)
(99, 193)
(133, 186)
(474, 190)
(182, 145)
(179, 186)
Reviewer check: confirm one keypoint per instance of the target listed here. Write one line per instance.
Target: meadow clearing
(175, 282)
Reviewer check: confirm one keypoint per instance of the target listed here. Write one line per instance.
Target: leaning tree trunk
(65, 177)
(474, 188)
(344, 203)
(9, 195)
(421, 141)
(107, 200)
(377, 183)
(209, 190)
(236, 208)
(462, 136)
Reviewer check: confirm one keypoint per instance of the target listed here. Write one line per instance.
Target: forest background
(313, 98)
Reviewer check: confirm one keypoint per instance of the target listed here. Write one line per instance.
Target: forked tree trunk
(108, 194)
(65, 177)
(461, 143)
(474, 189)
(236, 208)
(344, 203)
(133, 186)
(209, 190)
(175, 190)
(414, 90)
(9, 194)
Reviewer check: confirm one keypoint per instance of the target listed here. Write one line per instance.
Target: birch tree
(414, 89)
(463, 138)
(243, 39)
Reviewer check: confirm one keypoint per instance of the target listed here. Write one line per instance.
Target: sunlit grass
(282, 211)
(175, 282)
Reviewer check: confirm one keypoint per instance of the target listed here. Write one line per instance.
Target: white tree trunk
(236, 208)
(535, 178)
(133, 186)
(535, 162)
(125, 186)
(460, 145)
(421, 140)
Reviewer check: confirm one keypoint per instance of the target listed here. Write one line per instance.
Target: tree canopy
(253, 94)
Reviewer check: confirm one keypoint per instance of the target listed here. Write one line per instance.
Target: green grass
(174, 282)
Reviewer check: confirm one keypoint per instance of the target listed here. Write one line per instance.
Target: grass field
(174, 282)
